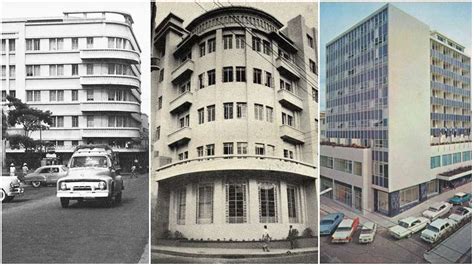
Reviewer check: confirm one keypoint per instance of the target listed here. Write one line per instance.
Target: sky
(450, 19)
(139, 10)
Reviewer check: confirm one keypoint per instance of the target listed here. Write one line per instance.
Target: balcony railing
(290, 100)
(155, 62)
(131, 81)
(182, 72)
(111, 132)
(291, 134)
(111, 106)
(179, 137)
(182, 102)
(287, 68)
(130, 56)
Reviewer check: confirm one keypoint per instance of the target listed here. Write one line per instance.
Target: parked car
(345, 230)
(435, 230)
(408, 226)
(460, 214)
(329, 223)
(437, 210)
(45, 175)
(460, 198)
(10, 187)
(367, 234)
(92, 175)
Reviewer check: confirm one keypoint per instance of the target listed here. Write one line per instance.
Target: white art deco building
(235, 124)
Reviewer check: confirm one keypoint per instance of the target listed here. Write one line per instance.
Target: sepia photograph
(234, 132)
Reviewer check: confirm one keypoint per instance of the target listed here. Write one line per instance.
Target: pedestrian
(266, 239)
(25, 169)
(292, 234)
(12, 169)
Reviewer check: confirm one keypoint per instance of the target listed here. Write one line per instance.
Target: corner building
(85, 68)
(235, 125)
(398, 114)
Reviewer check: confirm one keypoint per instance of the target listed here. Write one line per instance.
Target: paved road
(311, 258)
(37, 230)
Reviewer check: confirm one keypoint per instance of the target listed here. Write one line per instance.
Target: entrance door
(382, 202)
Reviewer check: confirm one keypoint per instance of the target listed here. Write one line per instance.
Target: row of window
(57, 44)
(11, 73)
(236, 203)
(448, 159)
(236, 110)
(11, 45)
(58, 70)
(112, 121)
(347, 166)
(58, 95)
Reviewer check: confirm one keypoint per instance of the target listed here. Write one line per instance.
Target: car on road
(367, 233)
(461, 214)
(10, 187)
(92, 175)
(45, 175)
(345, 230)
(437, 229)
(460, 198)
(329, 223)
(408, 226)
(437, 210)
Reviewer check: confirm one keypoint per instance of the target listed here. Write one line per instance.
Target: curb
(229, 256)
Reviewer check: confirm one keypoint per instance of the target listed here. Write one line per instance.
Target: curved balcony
(179, 137)
(287, 68)
(182, 72)
(155, 63)
(131, 81)
(291, 134)
(130, 56)
(281, 167)
(110, 106)
(181, 103)
(290, 100)
(111, 132)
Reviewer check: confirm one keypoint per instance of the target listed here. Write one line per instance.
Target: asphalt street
(37, 230)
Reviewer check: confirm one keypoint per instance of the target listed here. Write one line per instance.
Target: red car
(345, 230)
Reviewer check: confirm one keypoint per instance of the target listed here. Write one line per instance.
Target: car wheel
(64, 202)
(2, 195)
(36, 184)
(118, 198)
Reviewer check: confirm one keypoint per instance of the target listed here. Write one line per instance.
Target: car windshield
(403, 224)
(433, 209)
(89, 161)
(432, 228)
(459, 211)
(366, 231)
(342, 229)
(326, 222)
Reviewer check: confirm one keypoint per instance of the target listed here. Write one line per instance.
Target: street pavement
(384, 249)
(37, 230)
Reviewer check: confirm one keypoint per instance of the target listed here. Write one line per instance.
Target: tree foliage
(31, 119)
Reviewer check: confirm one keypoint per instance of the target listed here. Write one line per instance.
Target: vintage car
(460, 198)
(461, 214)
(345, 230)
(437, 210)
(367, 233)
(10, 187)
(408, 226)
(45, 175)
(328, 223)
(437, 229)
(92, 175)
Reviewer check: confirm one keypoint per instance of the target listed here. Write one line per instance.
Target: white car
(345, 230)
(9, 188)
(435, 230)
(460, 214)
(437, 210)
(367, 234)
(408, 226)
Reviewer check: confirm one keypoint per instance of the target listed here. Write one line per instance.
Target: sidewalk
(227, 253)
(452, 248)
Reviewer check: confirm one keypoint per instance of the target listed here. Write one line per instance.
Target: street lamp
(325, 191)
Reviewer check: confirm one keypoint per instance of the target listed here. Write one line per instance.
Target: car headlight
(63, 186)
(102, 185)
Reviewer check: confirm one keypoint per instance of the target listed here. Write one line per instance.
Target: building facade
(235, 125)
(397, 132)
(85, 68)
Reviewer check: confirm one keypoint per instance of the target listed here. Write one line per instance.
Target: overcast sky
(139, 10)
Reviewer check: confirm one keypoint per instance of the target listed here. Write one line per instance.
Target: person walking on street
(292, 234)
(266, 239)
(25, 169)
(12, 169)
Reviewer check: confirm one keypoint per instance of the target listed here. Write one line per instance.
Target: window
(267, 198)
(228, 74)
(183, 156)
(183, 120)
(74, 43)
(259, 149)
(33, 96)
(447, 159)
(205, 204)
(56, 95)
(242, 147)
(310, 40)
(74, 70)
(266, 48)
(119, 43)
(343, 193)
(211, 113)
(210, 150)
(32, 70)
(56, 44)
(57, 121)
(256, 44)
(326, 161)
(56, 70)
(11, 45)
(162, 75)
(228, 110)
(435, 162)
(74, 95)
(432, 187)
(292, 196)
(466, 156)
(181, 204)
(4, 96)
(257, 76)
(4, 44)
(90, 95)
(211, 45)
(12, 71)
(211, 77)
(236, 203)
(268, 80)
(4, 71)
(90, 42)
(200, 151)
(312, 66)
(160, 102)
(90, 69)
(33, 44)
(241, 110)
(258, 110)
(287, 119)
(457, 157)
(409, 195)
(74, 143)
(269, 112)
(75, 121)
(240, 41)
(288, 154)
(227, 42)
(202, 49)
(185, 87)
(240, 75)
(201, 116)
(158, 133)
(357, 168)
(201, 81)
(228, 148)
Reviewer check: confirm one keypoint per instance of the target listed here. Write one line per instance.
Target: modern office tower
(85, 68)
(398, 114)
(235, 125)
